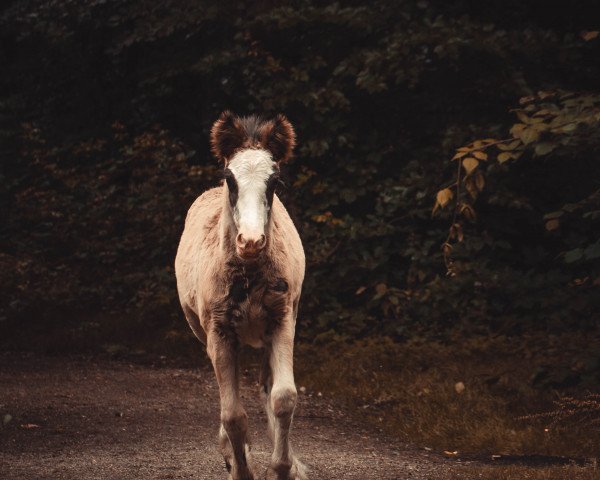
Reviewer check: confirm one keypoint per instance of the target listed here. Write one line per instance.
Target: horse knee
(283, 401)
(234, 423)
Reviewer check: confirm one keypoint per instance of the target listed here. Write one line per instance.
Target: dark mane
(231, 133)
(252, 126)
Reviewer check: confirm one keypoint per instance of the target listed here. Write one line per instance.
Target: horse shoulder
(287, 250)
(198, 248)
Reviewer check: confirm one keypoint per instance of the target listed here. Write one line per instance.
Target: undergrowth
(478, 395)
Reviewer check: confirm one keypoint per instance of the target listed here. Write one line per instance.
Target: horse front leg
(280, 403)
(234, 421)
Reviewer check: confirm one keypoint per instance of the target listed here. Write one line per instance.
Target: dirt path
(101, 419)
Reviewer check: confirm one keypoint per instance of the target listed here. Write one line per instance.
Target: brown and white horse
(239, 268)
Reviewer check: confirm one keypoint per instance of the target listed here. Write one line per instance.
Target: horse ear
(279, 138)
(226, 136)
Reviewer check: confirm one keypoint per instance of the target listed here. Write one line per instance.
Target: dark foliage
(105, 115)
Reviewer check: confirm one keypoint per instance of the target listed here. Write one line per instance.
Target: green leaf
(544, 148)
(570, 127)
(551, 215)
(573, 255)
(529, 135)
(593, 251)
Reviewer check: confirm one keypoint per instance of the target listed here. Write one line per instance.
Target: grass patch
(469, 397)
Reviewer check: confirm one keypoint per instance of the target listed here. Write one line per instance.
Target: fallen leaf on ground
(29, 426)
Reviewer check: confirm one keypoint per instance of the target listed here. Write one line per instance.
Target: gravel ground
(95, 418)
(77, 418)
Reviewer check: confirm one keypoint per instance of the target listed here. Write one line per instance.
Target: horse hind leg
(227, 451)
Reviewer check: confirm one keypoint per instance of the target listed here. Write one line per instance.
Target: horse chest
(256, 307)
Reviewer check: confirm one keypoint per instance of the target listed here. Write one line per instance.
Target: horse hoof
(297, 472)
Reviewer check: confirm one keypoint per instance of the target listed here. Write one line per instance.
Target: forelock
(252, 165)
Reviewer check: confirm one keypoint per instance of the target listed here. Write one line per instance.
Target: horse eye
(231, 186)
(272, 181)
(271, 184)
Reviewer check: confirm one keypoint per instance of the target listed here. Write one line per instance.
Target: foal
(239, 268)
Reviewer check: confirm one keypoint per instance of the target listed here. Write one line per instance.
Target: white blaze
(251, 169)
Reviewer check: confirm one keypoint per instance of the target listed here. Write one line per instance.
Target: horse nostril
(250, 246)
(240, 240)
